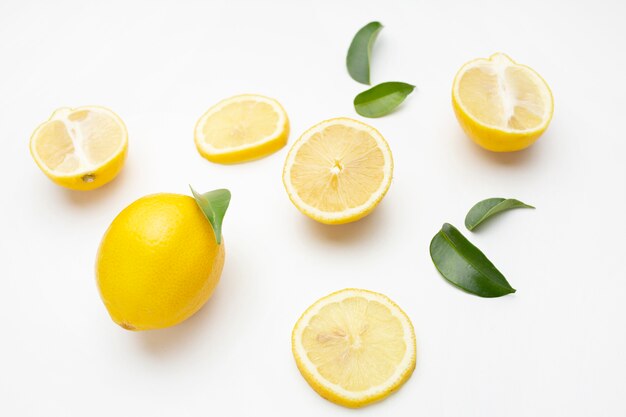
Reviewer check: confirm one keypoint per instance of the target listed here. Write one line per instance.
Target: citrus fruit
(81, 148)
(158, 262)
(503, 106)
(338, 171)
(242, 128)
(354, 347)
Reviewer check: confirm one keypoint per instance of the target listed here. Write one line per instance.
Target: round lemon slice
(503, 106)
(81, 148)
(242, 128)
(338, 171)
(354, 347)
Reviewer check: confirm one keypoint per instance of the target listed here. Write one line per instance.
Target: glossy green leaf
(358, 59)
(214, 205)
(465, 266)
(382, 99)
(490, 207)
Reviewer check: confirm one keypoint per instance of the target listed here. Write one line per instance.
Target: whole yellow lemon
(158, 262)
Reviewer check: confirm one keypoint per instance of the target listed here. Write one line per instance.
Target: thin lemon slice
(503, 106)
(242, 128)
(354, 347)
(81, 148)
(338, 171)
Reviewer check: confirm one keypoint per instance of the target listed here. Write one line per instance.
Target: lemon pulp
(354, 347)
(503, 106)
(82, 148)
(338, 171)
(242, 128)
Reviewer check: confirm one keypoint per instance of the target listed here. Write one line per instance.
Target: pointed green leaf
(358, 59)
(214, 204)
(465, 266)
(489, 207)
(382, 99)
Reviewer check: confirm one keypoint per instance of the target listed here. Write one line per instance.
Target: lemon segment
(242, 128)
(501, 105)
(82, 148)
(354, 347)
(338, 171)
(158, 262)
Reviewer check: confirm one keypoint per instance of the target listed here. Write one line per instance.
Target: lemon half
(242, 128)
(82, 148)
(354, 347)
(503, 106)
(338, 171)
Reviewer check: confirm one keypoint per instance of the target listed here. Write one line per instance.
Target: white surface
(556, 347)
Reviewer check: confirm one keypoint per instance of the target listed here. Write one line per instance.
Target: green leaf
(465, 266)
(213, 205)
(358, 59)
(490, 207)
(382, 99)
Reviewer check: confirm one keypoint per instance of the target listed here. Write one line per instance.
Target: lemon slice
(503, 106)
(242, 128)
(354, 347)
(81, 148)
(338, 171)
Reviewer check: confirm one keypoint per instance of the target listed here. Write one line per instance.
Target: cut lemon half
(354, 347)
(503, 106)
(338, 171)
(242, 128)
(81, 148)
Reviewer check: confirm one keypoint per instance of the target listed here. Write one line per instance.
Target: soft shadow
(95, 197)
(169, 341)
(405, 106)
(350, 232)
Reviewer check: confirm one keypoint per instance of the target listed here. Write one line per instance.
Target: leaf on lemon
(382, 99)
(214, 204)
(490, 207)
(358, 59)
(465, 266)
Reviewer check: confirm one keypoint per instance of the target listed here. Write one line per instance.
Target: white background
(556, 347)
